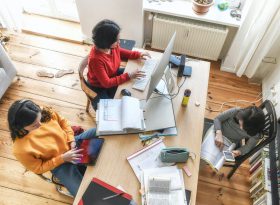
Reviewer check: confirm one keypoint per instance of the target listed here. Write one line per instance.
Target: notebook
(101, 193)
(188, 196)
(164, 185)
(115, 116)
(91, 149)
(130, 115)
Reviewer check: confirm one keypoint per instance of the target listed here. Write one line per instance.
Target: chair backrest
(269, 131)
(90, 93)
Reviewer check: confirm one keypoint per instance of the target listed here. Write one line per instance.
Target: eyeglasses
(235, 14)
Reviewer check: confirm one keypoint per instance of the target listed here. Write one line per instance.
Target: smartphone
(187, 71)
(229, 156)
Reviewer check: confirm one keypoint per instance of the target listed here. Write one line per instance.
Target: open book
(147, 158)
(118, 116)
(164, 185)
(211, 153)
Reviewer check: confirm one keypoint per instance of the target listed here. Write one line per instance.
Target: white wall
(127, 13)
(229, 63)
(273, 76)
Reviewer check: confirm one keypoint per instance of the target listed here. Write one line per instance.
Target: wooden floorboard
(14, 176)
(6, 144)
(239, 181)
(212, 194)
(50, 90)
(15, 197)
(50, 44)
(53, 28)
(43, 57)
(31, 53)
(29, 71)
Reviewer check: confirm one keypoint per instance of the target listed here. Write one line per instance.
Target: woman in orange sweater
(44, 141)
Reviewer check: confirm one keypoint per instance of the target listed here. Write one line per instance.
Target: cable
(236, 101)
(172, 96)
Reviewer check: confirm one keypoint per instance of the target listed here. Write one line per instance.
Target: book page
(132, 115)
(211, 153)
(177, 189)
(159, 198)
(109, 115)
(159, 190)
(147, 158)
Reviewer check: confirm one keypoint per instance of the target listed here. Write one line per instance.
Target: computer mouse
(125, 92)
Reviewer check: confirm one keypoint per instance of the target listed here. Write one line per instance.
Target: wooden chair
(89, 93)
(58, 186)
(268, 135)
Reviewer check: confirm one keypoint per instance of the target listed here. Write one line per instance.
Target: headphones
(21, 104)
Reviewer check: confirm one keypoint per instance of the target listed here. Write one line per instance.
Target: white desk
(183, 8)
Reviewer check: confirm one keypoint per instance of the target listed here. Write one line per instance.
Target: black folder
(98, 190)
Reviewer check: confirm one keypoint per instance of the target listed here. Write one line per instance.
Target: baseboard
(87, 40)
(227, 69)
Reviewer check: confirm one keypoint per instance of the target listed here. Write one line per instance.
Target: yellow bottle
(186, 97)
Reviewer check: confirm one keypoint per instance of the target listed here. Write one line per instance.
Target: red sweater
(102, 67)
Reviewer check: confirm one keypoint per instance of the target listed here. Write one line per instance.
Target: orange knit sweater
(41, 149)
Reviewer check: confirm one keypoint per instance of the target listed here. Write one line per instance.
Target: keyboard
(148, 68)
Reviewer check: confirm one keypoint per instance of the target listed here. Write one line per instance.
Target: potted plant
(202, 6)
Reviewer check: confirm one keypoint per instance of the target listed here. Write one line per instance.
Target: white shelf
(183, 8)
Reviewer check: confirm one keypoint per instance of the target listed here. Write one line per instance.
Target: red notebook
(101, 193)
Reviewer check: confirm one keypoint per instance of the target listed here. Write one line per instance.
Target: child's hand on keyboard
(138, 74)
(145, 55)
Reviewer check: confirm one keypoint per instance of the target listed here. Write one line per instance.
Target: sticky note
(187, 171)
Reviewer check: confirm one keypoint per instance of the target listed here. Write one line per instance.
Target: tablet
(228, 156)
(91, 149)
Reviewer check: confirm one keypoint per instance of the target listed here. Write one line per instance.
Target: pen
(113, 196)
(225, 145)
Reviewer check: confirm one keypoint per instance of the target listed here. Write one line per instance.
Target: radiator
(194, 38)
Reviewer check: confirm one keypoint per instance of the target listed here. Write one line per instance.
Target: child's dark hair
(253, 119)
(105, 33)
(23, 113)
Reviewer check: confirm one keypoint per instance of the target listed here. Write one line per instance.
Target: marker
(113, 196)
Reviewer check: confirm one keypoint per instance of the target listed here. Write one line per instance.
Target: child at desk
(104, 74)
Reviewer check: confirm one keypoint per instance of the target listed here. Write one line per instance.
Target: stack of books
(260, 190)
(161, 183)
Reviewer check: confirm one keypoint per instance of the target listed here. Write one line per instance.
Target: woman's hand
(236, 153)
(72, 144)
(145, 55)
(72, 155)
(137, 74)
(219, 141)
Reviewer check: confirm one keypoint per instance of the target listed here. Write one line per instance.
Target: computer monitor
(160, 67)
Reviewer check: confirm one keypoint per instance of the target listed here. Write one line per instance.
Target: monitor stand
(158, 113)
